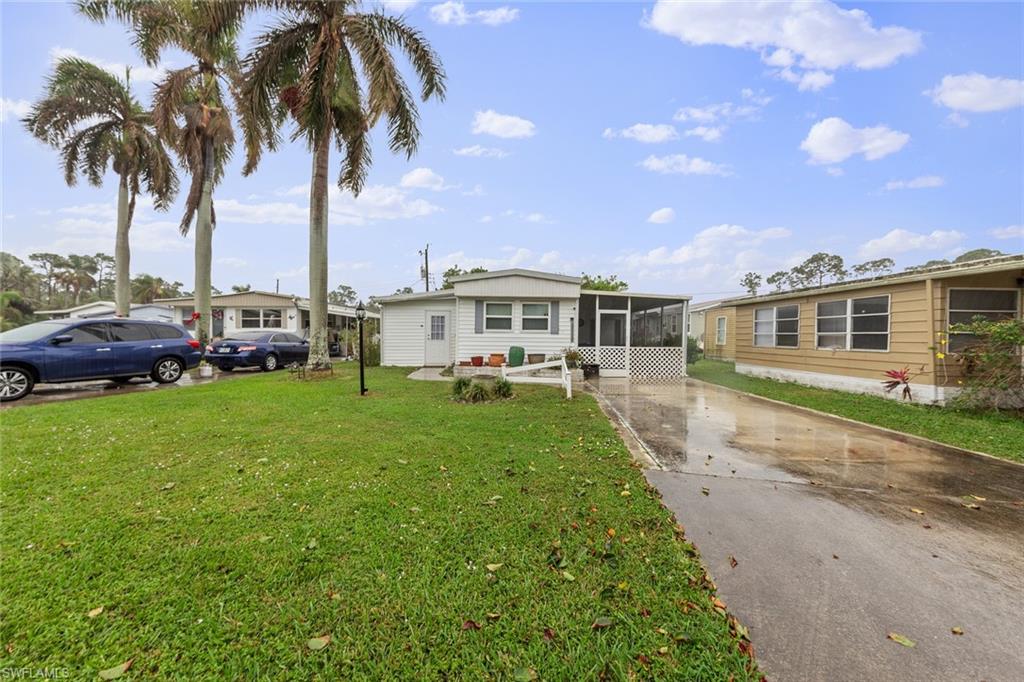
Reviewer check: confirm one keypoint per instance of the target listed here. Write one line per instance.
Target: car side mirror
(63, 338)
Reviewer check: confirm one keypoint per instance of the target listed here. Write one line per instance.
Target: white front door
(438, 328)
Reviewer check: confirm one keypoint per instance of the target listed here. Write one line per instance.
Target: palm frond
(395, 31)
(170, 100)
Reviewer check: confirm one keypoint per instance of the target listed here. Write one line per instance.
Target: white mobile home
(620, 333)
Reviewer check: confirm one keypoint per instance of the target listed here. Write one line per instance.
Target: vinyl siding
(711, 349)
(403, 332)
(469, 343)
(517, 286)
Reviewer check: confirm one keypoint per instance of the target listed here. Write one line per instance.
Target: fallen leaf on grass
(974, 497)
(970, 505)
(569, 577)
(957, 631)
(900, 639)
(493, 616)
(916, 510)
(601, 623)
(549, 635)
(168, 486)
(318, 643)
(96, 611)
(470, 625)
(643, 660)
(524, 675)
(732, 561)
(116, 671)
(493, 567)
(719, 606)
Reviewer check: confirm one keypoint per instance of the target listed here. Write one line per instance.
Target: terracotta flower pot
(477, 360)
(497, 359)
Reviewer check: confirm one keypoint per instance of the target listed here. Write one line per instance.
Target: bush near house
(993, 376)
(262, 528)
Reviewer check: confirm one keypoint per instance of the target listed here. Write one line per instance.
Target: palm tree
(146, 288)
(307, 66)
(92, 117)
(78, 275)
(189, 104)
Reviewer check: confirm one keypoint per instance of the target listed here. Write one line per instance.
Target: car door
(301, 347)
(88, 354)
(133, 348)
(283, 347)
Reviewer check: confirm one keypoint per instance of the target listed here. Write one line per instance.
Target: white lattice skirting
(645, 362)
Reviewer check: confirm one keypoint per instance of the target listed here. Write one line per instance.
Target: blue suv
(117, 349)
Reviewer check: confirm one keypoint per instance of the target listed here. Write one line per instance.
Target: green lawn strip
(993, 433)
(223, 526)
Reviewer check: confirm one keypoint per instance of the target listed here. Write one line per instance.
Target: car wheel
(15, 384)
(167, 370)
(269, 363)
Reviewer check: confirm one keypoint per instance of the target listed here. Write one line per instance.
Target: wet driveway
(841, 535)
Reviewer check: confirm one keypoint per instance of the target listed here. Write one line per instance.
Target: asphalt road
(841, 535)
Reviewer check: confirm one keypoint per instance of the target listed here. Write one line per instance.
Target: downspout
(929, 296)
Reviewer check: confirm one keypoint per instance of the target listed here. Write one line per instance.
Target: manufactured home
(138, 311)
(621, 334)
(846, 335)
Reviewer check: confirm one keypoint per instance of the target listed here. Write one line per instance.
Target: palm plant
(92, 117)
(309, 66)
(190, 104)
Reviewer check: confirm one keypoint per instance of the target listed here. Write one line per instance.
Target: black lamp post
(360, 316)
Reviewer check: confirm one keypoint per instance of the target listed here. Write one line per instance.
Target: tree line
(324, 66)
(826, 268)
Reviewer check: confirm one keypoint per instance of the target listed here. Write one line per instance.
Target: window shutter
(478, 325)
(554, 317)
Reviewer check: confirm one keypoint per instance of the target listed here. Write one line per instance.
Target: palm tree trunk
(122, 254)
(319, 358)
(204, 247)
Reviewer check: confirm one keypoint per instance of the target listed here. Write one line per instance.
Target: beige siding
(517, 286)
(248, 299)
(469, 343)
(711, 348)
(403, 332)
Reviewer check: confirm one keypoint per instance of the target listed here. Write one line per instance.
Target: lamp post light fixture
(360, 316)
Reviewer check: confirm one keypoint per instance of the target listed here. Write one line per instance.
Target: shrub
(476, 392)
(993, 376)
(572, 357)
(693, 351)
(502, 388)
(459, 387)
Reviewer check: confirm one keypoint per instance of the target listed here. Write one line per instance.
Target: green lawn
(996, 434)
(222, 527)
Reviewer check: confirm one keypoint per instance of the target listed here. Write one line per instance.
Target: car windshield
(246, 336)
(32, 332)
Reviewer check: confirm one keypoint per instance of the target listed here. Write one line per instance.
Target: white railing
(565, 381)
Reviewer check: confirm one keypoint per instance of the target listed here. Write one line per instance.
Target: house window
(777, 327)
(498, 316)
(854, 324)
(535, 317)
(720, 331)
(261, 318)
(437, 327)
(966, 304)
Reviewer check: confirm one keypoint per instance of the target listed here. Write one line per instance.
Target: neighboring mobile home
(138, 311)
(621, 333)
(846, 335)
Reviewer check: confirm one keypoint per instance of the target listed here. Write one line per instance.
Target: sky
(676, 145)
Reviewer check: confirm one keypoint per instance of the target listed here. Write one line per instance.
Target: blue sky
(676, 145)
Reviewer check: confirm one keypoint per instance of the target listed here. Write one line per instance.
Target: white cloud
(232, 262)
(683, 164)
(481, 151)
(808, 80)
(139, 72)
(957, 119)
(399, 5)
(486, 219)
(455, 13)
(835, 171)
(706, 133)
(709, 245)
(423, 178)
(899, 241)
(91, 228)
(511, 257)
(921, 182)
(491, 122)
(15, 109)
(978, 93)
(833, 140)
(477, 191)
(662, 216)
(814, 36)
(376, 202)
(302, 271)
(648, 133)
(1008, 232)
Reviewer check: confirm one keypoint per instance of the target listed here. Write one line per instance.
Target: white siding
(470, 343)
(517, 286)
(403, 335)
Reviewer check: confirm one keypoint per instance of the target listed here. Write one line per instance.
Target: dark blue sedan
(117, 349)
(266, 350)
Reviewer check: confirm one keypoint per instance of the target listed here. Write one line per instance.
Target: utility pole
(425, 252)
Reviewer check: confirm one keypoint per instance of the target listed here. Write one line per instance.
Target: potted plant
(205, 369)
(534, 358)
(497, 359)
(477, 360)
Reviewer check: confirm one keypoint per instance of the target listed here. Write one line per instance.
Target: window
(854, 324)
(535, 317)
(127, 331)
(88, 333)
(437, 327)
(163, 331)
(261, 318)
(498, 316)
(966, 304)
(720, 331)
(776, 327)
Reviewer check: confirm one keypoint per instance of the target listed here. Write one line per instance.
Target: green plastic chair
(516, 355)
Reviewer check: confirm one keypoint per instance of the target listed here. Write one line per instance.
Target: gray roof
(536, 274)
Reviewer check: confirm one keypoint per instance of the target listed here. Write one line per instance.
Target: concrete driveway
(831, 556)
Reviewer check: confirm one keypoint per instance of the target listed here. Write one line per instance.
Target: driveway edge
(903, 435)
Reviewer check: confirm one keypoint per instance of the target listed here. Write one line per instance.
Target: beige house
(720, 332)
(847, 335)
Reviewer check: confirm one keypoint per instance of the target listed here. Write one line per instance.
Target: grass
(999, 434)
(222, 527)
